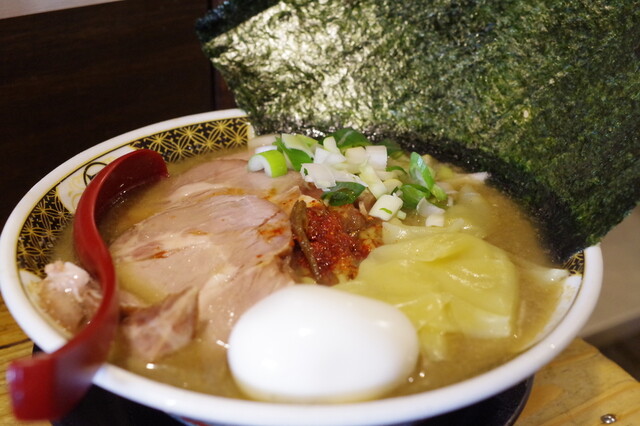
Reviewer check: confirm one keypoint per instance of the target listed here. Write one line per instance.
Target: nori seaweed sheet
(229, 15)
(544, 94)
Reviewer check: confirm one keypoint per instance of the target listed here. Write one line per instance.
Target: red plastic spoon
(48, 386)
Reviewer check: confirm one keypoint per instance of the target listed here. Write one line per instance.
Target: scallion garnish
(296, 157)
(346, 162)
(386, 207)
(423, 175)
(412, 194)
(349, 138)
(343, 193)
(272, 162)
(396, 168)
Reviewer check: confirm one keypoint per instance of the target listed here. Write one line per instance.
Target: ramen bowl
(37, 221)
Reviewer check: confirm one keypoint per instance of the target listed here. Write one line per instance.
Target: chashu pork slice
(161, 329)
(230, 248)
(230, 176)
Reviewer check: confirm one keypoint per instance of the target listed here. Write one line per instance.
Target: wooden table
(577, 388)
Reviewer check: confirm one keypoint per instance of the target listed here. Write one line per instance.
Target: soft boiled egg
(315, 344)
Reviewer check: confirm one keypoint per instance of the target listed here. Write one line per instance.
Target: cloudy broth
(202, 366)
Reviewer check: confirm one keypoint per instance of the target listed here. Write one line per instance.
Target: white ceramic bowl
(35, 223)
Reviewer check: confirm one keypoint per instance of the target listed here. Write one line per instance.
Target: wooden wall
(73, 78)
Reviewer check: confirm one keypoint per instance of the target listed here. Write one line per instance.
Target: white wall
(618, 310)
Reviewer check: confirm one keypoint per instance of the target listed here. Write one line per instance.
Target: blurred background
(72, 78)
(88, 70)
(614, 326)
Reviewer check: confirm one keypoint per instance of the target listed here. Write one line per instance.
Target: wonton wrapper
(446, 282)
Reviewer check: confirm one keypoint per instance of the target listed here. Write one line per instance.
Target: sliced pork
(230, 176)
(219, 241)
(231, 248)
(161, 329)
(69, 295)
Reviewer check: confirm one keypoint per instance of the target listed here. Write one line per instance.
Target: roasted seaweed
(544, 94)
(229, 15)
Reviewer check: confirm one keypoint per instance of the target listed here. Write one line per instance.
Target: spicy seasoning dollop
(331, 241)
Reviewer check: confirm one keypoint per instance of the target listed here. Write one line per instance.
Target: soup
(462, 335)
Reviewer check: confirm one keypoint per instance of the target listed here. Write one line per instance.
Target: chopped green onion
(420, 172)
(392, 185)
(296, 157)
(375, 184)
(343, 193)
(386, 207)
(412, 194)
(396, 168)
(300, 142)
(349, 138)
(356, 155)
(324, 156)
(272, 161)
(423, 175)
(377, 156)
(426, 209)
(330, 144)
(318, 174)
(439, 193)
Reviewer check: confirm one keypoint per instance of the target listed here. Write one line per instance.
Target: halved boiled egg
(315, 344)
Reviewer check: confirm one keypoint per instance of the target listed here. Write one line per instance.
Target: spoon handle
(49, 385)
